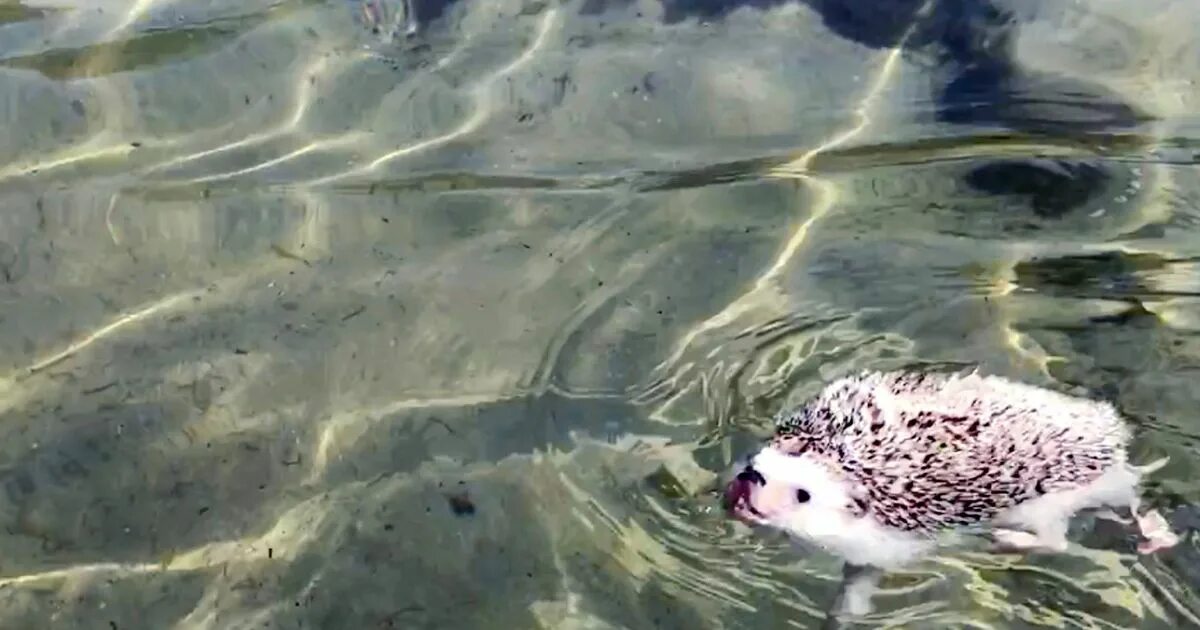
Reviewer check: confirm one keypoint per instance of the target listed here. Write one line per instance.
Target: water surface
(450, 314)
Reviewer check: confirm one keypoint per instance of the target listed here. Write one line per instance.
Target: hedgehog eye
(802, 496)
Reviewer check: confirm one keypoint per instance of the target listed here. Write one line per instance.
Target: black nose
(751, 475)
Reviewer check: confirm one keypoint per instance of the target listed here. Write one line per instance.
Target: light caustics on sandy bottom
(295, 529)
(481, 112)
(106, 146)
(764, 295)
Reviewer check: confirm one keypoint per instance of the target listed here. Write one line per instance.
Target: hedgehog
(882, 469)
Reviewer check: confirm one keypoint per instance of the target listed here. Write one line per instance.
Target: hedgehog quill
(881, 467)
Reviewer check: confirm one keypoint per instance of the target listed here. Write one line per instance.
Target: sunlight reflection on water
(439, 314)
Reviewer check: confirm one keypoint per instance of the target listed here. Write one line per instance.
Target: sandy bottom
(328, 315)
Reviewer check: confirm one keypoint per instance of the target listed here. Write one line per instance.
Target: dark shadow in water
(873, 24)
(11, 13)
(1106, 275)
(103, 487)
(1053, 187)
(970, 43)
(487, 432)
(970, 47)
(69, 494)
(996, 93)
(158, 599)
(675, 11)
(152, 49)
(426, 11)
(454, 572)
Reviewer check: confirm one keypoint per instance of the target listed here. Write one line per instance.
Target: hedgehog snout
(737, 492)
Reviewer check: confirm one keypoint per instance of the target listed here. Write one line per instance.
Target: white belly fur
(864, 542)
(1051, 512)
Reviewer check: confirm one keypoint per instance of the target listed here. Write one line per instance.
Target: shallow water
(333, 315)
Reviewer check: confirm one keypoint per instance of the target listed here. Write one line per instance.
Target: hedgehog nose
(738, 490)
(750, 475)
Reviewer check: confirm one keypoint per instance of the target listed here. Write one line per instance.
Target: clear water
(449, 314)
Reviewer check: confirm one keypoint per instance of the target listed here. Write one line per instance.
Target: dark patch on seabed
(1104, 275)
(969, 45)
(1052, 187)
(403, 15)
(426, 11)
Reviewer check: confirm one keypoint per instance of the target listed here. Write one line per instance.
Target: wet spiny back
(927, 451)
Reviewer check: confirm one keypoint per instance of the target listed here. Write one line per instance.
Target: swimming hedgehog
(879, 467)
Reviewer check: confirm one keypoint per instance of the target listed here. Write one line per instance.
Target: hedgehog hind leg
(1154, 528)
(1156, 531)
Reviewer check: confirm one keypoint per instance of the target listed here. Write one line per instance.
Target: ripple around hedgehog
(881, 468)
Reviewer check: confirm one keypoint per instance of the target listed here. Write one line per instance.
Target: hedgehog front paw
(859, 585)
(1111, 515)
(1011, 540)
(857, 603)
(1014, 540)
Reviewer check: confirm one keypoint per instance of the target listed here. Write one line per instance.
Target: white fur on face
(826, 519)
(828, 498)
(800, 471)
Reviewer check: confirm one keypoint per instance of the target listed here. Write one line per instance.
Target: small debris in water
(97, 390)
(289, 255)
(461, 504)
(442, 423)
